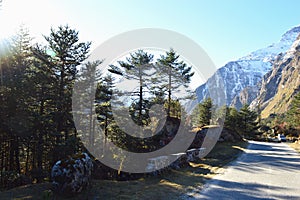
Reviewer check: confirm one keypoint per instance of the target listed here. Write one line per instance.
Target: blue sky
(225, 29)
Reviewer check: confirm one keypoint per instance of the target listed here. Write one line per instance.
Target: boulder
(72, 175)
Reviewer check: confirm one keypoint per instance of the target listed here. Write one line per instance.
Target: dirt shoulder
(295, 146)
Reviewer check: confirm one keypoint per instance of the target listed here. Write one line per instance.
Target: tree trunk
(27, 158)
(40, 145)
(60, 119)
(11, 157)
(17, 156)
(91, 124)
(2, 160)
(169, 91)
(141, 98)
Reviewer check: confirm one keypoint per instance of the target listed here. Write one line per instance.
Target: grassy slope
(289, 83)
(167, 186)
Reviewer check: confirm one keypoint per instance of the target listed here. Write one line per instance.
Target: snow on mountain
(280, 84)
(248, 70)
(270, 52)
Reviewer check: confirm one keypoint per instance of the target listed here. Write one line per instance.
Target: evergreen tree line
(247, 123)
(244, 122)
(37, 126)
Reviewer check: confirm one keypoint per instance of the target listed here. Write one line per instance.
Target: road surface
(264, 171)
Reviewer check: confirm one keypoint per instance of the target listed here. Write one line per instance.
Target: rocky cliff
(281, 83)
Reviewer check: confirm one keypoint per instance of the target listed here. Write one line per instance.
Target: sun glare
(15, 13)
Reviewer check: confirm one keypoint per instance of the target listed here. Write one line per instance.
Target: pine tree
(202, 113)
(247, 122)
(86, 84)
(103, 102)
(231, 119)
(59, 61)
(137, 67)
(173, 74)
(67, 54)
(41, 105)
(232, 122)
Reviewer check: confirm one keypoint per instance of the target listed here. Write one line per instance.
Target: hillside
(281, 83)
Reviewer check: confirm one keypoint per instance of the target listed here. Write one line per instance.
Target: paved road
(264, 171)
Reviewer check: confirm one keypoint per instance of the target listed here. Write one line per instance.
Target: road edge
(205, 187)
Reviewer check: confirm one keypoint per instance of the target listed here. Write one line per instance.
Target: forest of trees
(36, 85)
(37, 126)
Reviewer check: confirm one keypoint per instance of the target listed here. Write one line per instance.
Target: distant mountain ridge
(280, 84)
(247, 72)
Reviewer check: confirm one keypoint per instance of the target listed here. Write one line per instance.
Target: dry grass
(295, 146)
(170, 185)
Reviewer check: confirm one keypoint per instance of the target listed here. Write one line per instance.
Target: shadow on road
(264, 171)
(242, 191)
(268, 156)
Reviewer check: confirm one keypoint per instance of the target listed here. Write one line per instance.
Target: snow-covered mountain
(248, 70)
(280, 84)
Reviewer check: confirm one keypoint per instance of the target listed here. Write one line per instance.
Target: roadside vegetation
(169, 185)
(287, 124)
